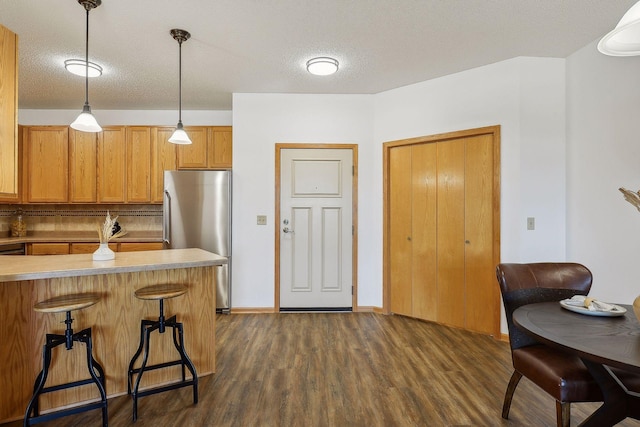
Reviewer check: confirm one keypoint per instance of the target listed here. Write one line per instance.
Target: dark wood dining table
(601, 342)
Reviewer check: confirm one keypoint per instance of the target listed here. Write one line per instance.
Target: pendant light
(624, 39)
(85, 121)
(179, 135)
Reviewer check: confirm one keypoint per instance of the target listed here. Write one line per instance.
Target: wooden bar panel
(115, 322)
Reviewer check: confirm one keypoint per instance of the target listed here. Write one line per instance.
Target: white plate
(619, 311)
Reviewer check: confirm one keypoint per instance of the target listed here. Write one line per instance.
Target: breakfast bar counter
(115, 320)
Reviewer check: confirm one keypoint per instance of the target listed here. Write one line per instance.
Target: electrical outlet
(531, 223)
(262, 220)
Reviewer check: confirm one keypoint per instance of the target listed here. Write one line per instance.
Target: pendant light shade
(624, 39)
(179, 135)
(85, 121)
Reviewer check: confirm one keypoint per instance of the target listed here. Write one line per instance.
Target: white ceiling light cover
(79, 68)
(322, 66)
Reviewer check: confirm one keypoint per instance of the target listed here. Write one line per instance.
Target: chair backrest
(522, 284)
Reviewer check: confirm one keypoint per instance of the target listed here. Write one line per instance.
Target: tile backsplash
(82, 217)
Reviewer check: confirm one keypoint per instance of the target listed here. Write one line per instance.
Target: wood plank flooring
(344, 369)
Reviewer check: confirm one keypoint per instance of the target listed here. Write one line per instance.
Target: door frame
(354, 215)
(386, 148)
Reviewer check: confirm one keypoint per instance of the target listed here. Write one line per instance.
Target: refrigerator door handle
(166, 227)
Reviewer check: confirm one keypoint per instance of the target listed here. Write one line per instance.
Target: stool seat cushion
(67, 303)
(162, 291)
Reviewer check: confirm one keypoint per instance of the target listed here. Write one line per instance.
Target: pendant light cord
(86, 57)
(180, 80)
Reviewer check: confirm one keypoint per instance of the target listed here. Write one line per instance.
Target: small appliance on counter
(197, 214)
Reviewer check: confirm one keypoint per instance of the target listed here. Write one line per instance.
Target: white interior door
(316, 228)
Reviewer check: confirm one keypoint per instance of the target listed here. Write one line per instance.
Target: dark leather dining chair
(560, 374)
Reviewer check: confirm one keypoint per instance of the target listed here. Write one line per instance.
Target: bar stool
(67, 303)
(160, 292)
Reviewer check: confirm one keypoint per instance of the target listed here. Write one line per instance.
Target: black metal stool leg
(141, 370)
(94, 366)
(143, 325)
(186, 361)
(32, 407)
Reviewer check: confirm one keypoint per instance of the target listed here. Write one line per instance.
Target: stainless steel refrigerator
(197, 214)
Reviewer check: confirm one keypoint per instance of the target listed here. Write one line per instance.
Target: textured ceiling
(260, 46)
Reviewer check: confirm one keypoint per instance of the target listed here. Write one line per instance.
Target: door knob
(287, 230)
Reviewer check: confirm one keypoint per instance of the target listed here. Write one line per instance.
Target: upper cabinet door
(220, 147)
(82, 166)
(138, 164)
(112, 182)
(46, 168)
(211, 148)
(163, 158)
(8, 115)
(194, 155)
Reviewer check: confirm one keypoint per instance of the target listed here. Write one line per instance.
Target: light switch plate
(531, 223)
(262, 220)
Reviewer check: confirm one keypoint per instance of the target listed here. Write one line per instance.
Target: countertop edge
(15, 269)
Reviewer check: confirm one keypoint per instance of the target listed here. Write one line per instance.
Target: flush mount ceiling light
(85, 121)
(179, 135)
(322, 66)
(624, 39)
(79, 67)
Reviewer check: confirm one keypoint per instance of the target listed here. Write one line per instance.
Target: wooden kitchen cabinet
(220, 147)
(211, 148)
(47, 248)
(139, 246)
(89, 248)
(138, 164)
(45, 164)
(194, 155)
(112, 182)
(163, 158)
(9, 155)
(82, 166)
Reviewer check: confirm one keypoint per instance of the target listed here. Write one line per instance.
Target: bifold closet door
(400, 230)
(450, 231)
(423, 231)
(482, 309)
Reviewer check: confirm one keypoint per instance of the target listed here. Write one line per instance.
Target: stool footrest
(64, 412)
(68, 385)
(158, 366)
(172, 386)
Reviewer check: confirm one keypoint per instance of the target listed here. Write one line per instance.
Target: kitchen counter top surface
(79, 237)
(13, 269)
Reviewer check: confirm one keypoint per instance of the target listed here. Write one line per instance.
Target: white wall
(259, 122)
(603, 147)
